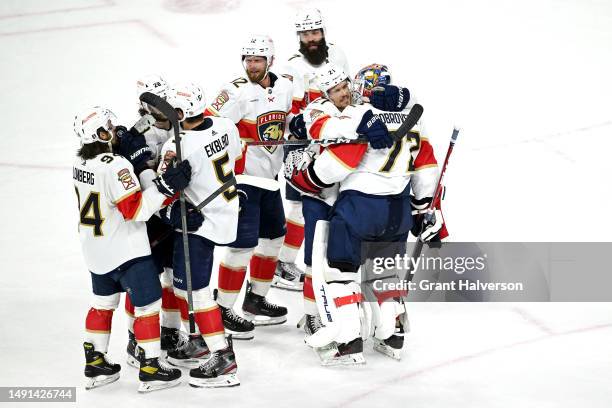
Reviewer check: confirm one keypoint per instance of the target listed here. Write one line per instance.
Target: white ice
(530, 84)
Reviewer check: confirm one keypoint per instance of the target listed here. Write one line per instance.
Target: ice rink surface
(530, 84)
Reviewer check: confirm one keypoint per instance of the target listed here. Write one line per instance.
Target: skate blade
(241, 335)
(226, 380)
(328, 357)
(132, 361)
(187, 363)
(388, 351)
(259, 320)
(149, 386)
(284, 284)
(101, 380)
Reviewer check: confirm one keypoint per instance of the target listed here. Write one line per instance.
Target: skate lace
(211, 362)
(315, 323)
(292, 270)
(108, 359)
(163, 364)
(234, 317)
(270, 305)
(183, 341)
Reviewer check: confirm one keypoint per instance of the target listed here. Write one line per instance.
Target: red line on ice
(426, 370)
(107, 3)
(150, 29)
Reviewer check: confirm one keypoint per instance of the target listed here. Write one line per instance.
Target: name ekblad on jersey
(125, 177)
(83, 176)
(271, 126)
(217, 145)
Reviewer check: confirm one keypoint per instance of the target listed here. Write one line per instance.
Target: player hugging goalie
(356, 193)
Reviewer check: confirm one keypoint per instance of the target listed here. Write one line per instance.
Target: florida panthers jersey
(260, 114)
(155, 139)
(304, 75)
(211, 149)
(111, 210)
(362, 168)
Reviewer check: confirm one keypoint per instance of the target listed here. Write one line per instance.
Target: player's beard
(256, 77)
(315, 56)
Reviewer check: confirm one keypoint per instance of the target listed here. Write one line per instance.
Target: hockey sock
(310, 306)
(170, 315)
(207, 316)
(263, 264)
(98, 328)
(232, 272)
(129, 311)
(146, 328)
(295, 234)
(262, 272)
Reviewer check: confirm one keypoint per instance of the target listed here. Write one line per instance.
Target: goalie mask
(369, 77)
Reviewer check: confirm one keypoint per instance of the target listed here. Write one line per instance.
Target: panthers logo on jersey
(271, 126)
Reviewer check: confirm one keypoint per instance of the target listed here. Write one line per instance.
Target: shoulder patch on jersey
(125, 177)
(315, 113)
(220, 100)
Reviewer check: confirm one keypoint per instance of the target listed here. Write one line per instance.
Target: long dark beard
(318, 56)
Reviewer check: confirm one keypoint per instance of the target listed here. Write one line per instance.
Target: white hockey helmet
(188, 97)
(89, 123)
(329, 76)
(152, 83)
(309, 19)
(258, 46)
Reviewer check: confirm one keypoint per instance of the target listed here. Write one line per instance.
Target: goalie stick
(418, 246)
(168, 111)
(411, 120)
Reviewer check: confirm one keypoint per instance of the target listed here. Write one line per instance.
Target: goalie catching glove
(300, 173)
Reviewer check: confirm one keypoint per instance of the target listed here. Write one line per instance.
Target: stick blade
(161, 105)
(413, 117)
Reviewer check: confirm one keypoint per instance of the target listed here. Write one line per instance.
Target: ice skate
(310, 324)
(288, 276)
(98, 369)
(391, 346)
(190, 351)
(132, 359)
(261, 312)
(155, 374)
(218, 371)
(169, 338)
(337, 354)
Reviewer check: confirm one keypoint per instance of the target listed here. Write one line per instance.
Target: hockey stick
(199, 207)
(411, 120)
(164, 107)
(418, 246)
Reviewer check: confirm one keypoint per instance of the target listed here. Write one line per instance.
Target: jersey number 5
(89, 214)
(224, 176)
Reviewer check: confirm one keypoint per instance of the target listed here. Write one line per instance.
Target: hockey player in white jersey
(261, 106)
(112, 210)
(156, 132)
(371, 181)
(314, 53)
(212, 146)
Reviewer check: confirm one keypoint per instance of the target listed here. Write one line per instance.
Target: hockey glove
(171, 215)
(428, 225)
(134, 148)
(390, 98)
(143, 124)
(174, 179)
(375, 131)
(297, 127)
(300, 173)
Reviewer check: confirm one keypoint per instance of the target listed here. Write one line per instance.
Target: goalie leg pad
(337, 296)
